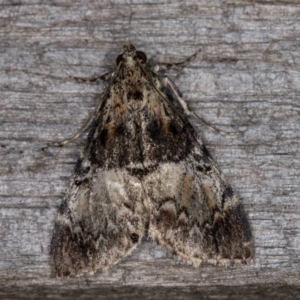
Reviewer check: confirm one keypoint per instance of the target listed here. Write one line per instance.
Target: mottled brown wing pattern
(101, 219)
(193, 210)
(143, 169)
(196, 216)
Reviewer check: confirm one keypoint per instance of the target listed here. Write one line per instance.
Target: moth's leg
(174, 91)
(63, 143)
(104, 77)
(167, 66)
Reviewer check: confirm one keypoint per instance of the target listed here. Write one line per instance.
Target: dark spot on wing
(173, 128)
(120, 130)
(154, 129)
(81, 171)
(78, 166)
(205, 151)
(228, 193)
(134, 237)
(63, 208)
(203, 168)
(103, 137)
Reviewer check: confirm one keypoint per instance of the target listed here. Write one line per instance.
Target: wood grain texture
(245, 79)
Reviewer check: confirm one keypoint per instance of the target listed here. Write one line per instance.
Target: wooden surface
(245, 79)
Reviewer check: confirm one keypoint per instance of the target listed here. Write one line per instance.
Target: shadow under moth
(144, 170)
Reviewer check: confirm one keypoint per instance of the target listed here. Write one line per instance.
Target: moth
(145, 171)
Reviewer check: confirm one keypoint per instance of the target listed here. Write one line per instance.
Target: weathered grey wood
(245, 79)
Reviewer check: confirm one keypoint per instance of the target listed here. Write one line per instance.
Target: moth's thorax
(130, 62)
(132, 72)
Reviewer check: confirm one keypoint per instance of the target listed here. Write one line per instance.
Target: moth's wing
(100, 220)
(193, 210)
(195, 214)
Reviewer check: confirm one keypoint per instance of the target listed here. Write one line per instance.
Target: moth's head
(130, 55)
